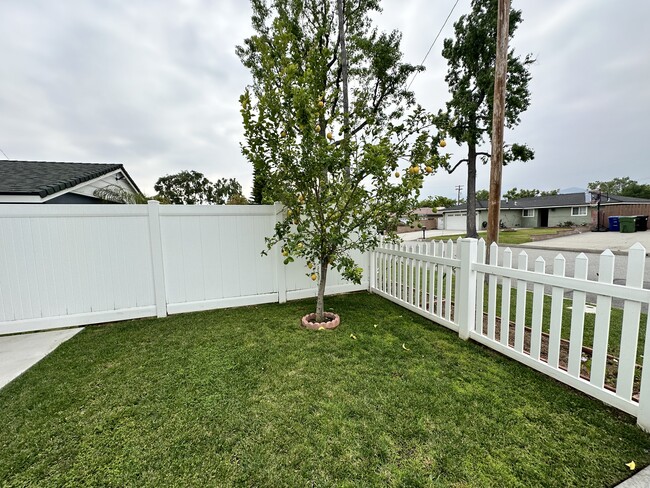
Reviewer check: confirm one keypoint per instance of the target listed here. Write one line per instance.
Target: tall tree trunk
(344, 82)
(320, 301)
(471, 191)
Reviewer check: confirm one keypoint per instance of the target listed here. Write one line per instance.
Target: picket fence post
(281, 270)
(157, 264)
(465, 301)
(372, 282)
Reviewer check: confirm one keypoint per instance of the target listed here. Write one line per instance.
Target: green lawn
(244, 397)
(509, 236)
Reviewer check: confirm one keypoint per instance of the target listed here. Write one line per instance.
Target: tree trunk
(344, 82)
(320, 301)
(471, 191)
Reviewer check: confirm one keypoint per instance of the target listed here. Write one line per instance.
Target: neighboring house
(427, 217)
(55, 182)
(548, 211)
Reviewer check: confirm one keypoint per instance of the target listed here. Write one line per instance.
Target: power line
(433, 43)
(5, 155)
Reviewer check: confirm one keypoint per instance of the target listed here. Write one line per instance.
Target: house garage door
(455, 221)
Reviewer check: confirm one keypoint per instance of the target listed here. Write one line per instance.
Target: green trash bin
(627, 224)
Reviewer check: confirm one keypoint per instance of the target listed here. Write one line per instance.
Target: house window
(528, 212)
(578, 211)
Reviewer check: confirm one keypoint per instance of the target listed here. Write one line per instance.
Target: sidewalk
(18, 353)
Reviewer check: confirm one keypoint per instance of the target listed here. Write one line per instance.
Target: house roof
(45, 178)
(562, 200)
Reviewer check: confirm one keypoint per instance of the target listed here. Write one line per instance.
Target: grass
(510, 236)
(244, 397)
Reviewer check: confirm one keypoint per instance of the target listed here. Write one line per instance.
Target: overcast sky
(155, 86)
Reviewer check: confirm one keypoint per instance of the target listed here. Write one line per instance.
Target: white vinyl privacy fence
(504, 307)
(66, 265)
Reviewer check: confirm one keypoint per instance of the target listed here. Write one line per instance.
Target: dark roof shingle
(47, 177)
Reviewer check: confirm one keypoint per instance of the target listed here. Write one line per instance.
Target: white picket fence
(452, 284)
(67, 265)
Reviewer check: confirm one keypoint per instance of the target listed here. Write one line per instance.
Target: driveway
(616, 242)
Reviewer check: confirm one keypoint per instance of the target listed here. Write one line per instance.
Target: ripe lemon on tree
(317, 128)
(396, 174)
(314, 276)
(443, 143)
(330, 136)
(428, 169)
(321, 104)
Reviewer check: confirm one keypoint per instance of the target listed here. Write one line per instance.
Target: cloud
(156, 87)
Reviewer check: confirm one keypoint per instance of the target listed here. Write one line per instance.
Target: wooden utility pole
(498, 117)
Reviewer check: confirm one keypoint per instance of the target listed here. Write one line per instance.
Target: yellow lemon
(428, 169)
(314, 276)
(396, 174)
(443, 143)
(330, 136)
(321, 104)
(317, 128)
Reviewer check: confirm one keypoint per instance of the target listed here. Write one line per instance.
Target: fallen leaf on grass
(404, 347)
(352, 336)
(375, 325)
(321, 328)
(631, 465)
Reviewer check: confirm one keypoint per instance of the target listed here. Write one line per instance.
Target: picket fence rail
(69, 265)
(454, 284)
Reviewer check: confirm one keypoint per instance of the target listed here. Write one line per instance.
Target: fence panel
(66, 265)
(538, 334)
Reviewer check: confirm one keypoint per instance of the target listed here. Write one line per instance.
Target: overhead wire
(433, 43)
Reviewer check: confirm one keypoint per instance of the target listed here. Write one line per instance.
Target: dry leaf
(631, 465)
(353, 337)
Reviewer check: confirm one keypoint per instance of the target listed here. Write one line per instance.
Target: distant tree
(437, 201)
(624, 186)
(516, 194)
(237, 199)
(192, 187)
(482, 195)
(470, 76)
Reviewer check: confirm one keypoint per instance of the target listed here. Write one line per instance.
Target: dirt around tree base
(332, 321)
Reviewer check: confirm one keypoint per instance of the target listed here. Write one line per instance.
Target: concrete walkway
(18, 353)
(639, 480)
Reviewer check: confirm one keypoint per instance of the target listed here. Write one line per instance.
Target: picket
(630, 329)
(480, 286)
(492, 292)
(520, 314)
(557, 305)
(601, 327)
(505, 299)
(577, 318)
(538, 310)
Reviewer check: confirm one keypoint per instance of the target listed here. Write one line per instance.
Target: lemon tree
(331, 131)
